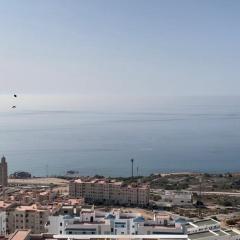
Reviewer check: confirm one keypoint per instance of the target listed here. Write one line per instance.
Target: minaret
(3, 172)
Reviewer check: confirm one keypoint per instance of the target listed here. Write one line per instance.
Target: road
(236, 194)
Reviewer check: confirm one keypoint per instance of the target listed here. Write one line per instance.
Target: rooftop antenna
(137, 171)
(132, 160)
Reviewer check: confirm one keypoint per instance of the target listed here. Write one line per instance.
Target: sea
(50, 135)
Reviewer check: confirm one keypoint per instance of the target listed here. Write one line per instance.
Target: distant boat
(72, 172)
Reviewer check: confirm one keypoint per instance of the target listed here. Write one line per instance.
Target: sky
(120, 47)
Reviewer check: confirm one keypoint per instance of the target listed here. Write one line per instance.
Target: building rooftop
(231, 232)
(20, 235)
(33, 207)
(220, 233)
(188, 226)
(119, 237)
(205, 222)
(4, 205)
(110, 182)
(200, 235)
(67, 207)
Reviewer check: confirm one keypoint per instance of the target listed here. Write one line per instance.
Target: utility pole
(47, 170)
(200, 197)
(132, 160)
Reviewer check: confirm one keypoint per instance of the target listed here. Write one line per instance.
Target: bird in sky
(15, 96)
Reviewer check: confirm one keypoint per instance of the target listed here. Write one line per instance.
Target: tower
(3, 172)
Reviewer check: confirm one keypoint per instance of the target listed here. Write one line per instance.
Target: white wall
(3, 226)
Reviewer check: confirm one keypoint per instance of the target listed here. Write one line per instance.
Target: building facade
(109, 192)
(27, 217)
(116, 222)
(3, 217)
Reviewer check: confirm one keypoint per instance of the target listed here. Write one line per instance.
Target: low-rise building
(177, 198)
(115, 222)
(85, 221)
(210, 229)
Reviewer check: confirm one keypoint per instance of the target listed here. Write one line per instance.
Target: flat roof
(231, 232)
(67, 207)
(205, 222)
(20, 235)
(201, 235)
(110, 182)
(32, 207)
(154, 236)
(220, 233)
(4, 205)
(189, 226)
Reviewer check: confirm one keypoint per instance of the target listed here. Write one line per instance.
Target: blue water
(185, 135)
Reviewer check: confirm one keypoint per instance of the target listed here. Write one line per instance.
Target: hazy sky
(122, 47)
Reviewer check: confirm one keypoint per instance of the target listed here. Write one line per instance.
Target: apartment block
(109, 192)
(27, 217)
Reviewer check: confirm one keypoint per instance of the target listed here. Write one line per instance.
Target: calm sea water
(182, 135)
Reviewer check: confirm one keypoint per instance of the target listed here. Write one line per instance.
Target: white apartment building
(163, 223)
(207, 229)
(91, 222)
(3, 225)
(109, 192)
(86, 222)
(4, 208)
(122, 237)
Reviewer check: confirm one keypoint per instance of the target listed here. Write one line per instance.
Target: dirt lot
(39, 181)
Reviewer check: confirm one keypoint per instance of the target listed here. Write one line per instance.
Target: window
(60, 223)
